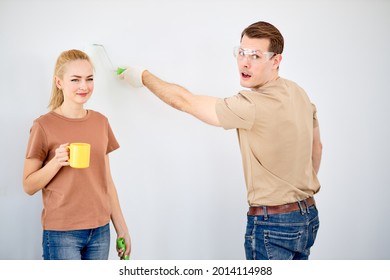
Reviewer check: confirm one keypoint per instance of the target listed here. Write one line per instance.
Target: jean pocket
(280, 245)
(313, 233)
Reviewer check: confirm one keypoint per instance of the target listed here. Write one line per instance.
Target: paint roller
(99, 52)
(102, 55)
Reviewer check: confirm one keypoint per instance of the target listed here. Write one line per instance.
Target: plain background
(180, 181)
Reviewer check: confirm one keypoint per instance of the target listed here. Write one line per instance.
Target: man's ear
(277, 60)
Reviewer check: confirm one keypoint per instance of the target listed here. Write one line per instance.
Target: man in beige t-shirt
(279, 140)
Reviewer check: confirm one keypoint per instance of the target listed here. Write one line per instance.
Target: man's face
(256, 66)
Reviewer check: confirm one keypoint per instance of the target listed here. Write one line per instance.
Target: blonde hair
(57, 96)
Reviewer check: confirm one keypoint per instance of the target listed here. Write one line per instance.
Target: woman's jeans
(88, 244)
(287, 236)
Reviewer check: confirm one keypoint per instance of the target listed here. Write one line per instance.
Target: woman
(78, 203)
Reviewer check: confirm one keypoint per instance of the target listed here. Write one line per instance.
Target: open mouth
(245, 75)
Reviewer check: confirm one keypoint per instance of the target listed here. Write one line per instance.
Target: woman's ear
(58, 82)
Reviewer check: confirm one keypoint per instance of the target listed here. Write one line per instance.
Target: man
(279, 140)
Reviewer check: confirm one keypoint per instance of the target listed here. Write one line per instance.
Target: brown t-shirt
(275, 130)
(75, 198)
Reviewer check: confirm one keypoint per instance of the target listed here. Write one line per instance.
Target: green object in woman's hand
(120, 243)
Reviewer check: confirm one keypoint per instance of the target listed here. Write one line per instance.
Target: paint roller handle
(131, 75)
(120, 243)
(120, 70)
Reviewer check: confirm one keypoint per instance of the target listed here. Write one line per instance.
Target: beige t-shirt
(275, 130)
(75, 198)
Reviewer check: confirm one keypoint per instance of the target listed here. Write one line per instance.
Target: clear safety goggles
(256, 56)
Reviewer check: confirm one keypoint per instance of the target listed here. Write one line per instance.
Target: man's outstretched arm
(176, 96)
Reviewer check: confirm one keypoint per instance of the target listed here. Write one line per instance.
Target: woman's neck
(72, 113)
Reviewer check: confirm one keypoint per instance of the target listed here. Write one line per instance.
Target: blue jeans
(86, 244)
(287, 236)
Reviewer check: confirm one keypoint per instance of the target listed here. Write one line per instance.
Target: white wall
(180, 181)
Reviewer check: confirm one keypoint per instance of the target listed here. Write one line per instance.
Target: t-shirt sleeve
(37, 143)
(236, 112)
(315, 119)
(112, 144)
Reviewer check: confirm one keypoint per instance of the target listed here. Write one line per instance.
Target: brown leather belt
(278, 209)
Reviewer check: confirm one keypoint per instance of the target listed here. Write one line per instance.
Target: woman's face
(77, 82)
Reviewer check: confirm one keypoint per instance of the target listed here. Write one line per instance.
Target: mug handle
(68, 147)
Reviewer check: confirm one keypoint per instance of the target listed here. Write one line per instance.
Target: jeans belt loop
(265, 213)
(301, 208)
(307, 206)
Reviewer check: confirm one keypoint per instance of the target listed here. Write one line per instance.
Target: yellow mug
(79, 154)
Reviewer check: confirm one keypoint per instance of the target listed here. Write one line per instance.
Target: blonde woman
(78, 204)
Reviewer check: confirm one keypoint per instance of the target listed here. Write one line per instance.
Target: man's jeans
(88, 244)
(287, 236)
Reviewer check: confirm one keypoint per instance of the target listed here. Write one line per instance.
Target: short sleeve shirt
(75, 198)
(275, 130)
